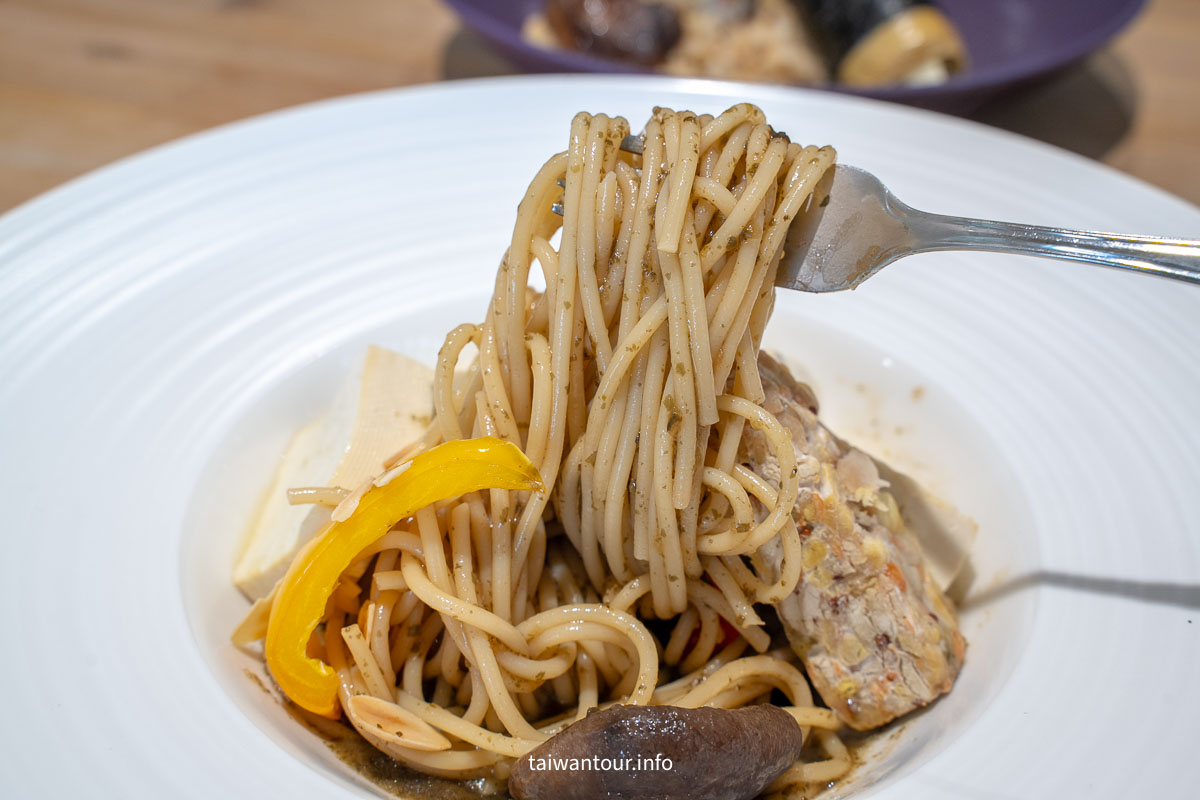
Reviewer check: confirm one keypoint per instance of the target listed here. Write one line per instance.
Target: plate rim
(94, 177)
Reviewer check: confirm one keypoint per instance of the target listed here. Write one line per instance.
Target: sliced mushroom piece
(661, 752)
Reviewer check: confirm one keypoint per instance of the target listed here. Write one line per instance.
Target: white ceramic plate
(167, 322)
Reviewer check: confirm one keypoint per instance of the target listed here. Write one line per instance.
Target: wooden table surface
(84, 82)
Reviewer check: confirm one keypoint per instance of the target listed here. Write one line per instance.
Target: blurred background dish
(1008, 42)
(862, 43)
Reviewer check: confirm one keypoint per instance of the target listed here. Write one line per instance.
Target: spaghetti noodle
(479, 627)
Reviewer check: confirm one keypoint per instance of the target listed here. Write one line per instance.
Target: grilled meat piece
(875, 632)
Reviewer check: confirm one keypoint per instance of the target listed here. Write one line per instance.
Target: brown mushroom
(661, 753)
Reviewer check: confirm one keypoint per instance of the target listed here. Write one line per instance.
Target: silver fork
(860, 227)
(857, 227)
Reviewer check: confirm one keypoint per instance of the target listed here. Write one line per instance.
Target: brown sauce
(397, 780)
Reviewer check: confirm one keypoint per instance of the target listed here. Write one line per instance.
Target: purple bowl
(1010, 42)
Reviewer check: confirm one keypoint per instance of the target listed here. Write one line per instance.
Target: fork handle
(1168, 258)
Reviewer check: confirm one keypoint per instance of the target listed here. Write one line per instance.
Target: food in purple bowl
(863, 43)
(1007, 42)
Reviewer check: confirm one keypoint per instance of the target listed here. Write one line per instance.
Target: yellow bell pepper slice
(443, 472)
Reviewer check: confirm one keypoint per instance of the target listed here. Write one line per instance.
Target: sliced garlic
(379, 719)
